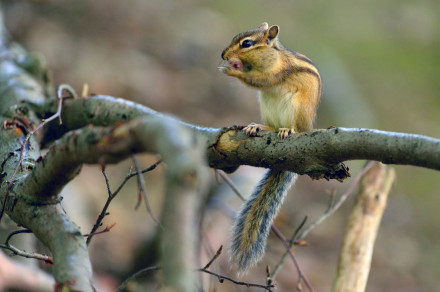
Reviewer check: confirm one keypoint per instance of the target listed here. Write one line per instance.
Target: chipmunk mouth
(234, 64)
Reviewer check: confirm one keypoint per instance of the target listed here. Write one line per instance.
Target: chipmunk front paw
(252, 129)
(284, 133)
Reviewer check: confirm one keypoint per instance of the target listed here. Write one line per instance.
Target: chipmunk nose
(223, 55)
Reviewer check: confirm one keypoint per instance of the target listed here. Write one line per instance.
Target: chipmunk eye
(247, 44)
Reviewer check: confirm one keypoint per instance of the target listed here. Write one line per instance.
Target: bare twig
(15, 233)
(298, 229)
(288, 251)
(221, 278)
(61, 87)
(30, 255)
(217, 254)
(112, 195)
(137, 275)
(208, 248)
(226, 178)
(22, 253)
(104, 212)
(85, 90)
(142, 191)
(269, 280)
(338, 204)
(70, 90)
(141, 185)
(106, 229)
(301, 276)
(131, 174)
(45, 122)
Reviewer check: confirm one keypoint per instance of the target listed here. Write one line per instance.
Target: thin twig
(301, 275)
(30, 255)
(85, 90)
(112, 195)
(19, 252)
(61, 87)
(131, 174)
(103, 213)
(142, 191)
(292, 241)
(221, 278)
(338, 204)
(137, 275)
(217, 254)
(106, 229)
(298, 229)
(15, 233)
(269, 280)
(141, 185)
(208, 250)
(226, 178)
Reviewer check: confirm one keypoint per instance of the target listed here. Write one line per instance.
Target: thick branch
(45, 218)
(185, 180)
(316, 153)
(92, 145)
(102, 110)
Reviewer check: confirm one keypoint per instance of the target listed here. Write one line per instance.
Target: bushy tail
(256, 216)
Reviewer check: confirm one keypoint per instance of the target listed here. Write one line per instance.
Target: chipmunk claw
(222, 69)
(253, 129)
(284, 133)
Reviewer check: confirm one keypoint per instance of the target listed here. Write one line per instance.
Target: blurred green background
(380, 65)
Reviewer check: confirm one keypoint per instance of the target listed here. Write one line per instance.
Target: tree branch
(363, 224)
(317, 153)
(185, 181)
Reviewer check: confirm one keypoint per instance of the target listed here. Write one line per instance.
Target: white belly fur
(276, 107)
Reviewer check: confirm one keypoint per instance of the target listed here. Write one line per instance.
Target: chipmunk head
(255, 49)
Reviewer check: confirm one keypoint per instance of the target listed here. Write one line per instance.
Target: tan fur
(254, 217)
(289, 91)
(289, 84)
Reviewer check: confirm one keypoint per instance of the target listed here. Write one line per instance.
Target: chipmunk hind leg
(253, 222)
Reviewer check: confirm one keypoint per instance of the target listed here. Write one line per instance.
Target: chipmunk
(289, 88)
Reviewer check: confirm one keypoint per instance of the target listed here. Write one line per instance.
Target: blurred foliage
(380, 63)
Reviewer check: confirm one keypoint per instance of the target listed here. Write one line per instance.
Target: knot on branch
(339, 172)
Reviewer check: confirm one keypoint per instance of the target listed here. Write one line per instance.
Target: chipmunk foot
(284, 133)
(252, 129)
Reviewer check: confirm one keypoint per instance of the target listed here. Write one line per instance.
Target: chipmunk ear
(264, 26)
(272, 32)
